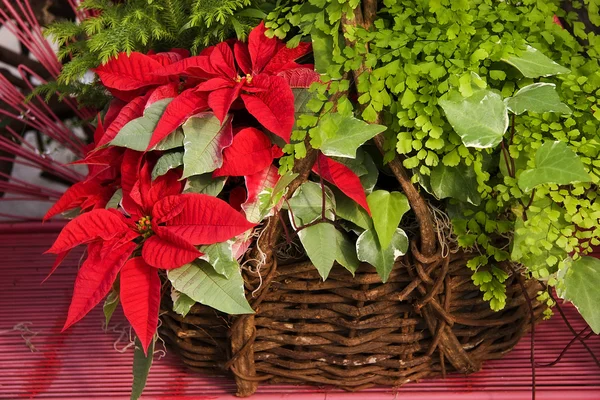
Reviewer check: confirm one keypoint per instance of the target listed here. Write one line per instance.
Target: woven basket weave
(354, 332)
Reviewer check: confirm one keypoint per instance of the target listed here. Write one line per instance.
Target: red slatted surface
(83, 364)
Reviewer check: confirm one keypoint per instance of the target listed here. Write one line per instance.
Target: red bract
(342, 177)
(164, 223)
(250, 152)
(255, 79)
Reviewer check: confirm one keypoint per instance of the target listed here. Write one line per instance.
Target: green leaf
(555, 163)
(322, 46)
(182, 303)
(387, 210)
(141, 368)
(115, 200)
(346, 253)
(458, 182)
(205, 184)
(199, 281)
(538, 98)
(480, 120)
(307, 203)
(582, 281)
(340, 136)
(111, 303)
(370, 251)
(136, 133)
(220, 256)
(205, 139)
(167, 162)
(173, 141)
(317, 241)
(534, 64)
(348, 209)
(364, 167)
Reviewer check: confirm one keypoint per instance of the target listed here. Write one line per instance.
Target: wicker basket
(354, 332)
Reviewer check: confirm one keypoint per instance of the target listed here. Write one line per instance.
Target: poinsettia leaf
(182, 303)
(555, 162)
(96, 224)
(346, 253)
(340, 136)
(370, 251)
(343, 178)
(133, 109)
(317, 241)
(205, 184)
(220, 256)
(249, 153)
(137, 133)
(242, 57)
(95, 277)
(306, 204)
(188, 103)
(458, 182)
(205, 140)
(129, 72)
(167, 207)
(167, 250)
(480, 120)
(200, 282)
(142, 361)
(538, 97)
(533, 64)
(581, 288)
(115, 200)
(140, 298)
(172, 141)
(167, 162)
(388, 209)
(114, 109)
(262, 49)
(260, 191)
(207, 220)
(273, 108)
(110, 303)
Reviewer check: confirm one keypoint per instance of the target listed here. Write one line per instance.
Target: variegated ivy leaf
(581, 283)
(539, 98)
(346, 253)
(136, 133)
(318, 240)
(349, 210)
(110, 304)
(555, 163)
(205, 184)
(167, 162)
(259, 187)
(364, 167)
(387, 209)
(141, 367)
(306, 204)
(370, 251)
(205, 139)
(220, 256)
(534, 64)
(459, 182)
(182, 303)
(340, 136)
(480, 120)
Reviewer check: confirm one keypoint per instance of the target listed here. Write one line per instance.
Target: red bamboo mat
(83, 362)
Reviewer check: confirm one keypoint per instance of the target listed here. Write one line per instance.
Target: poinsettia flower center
(247, 78)
(144, 226)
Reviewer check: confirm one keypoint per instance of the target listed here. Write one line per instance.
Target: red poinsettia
(257, 72)
(164, 224)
